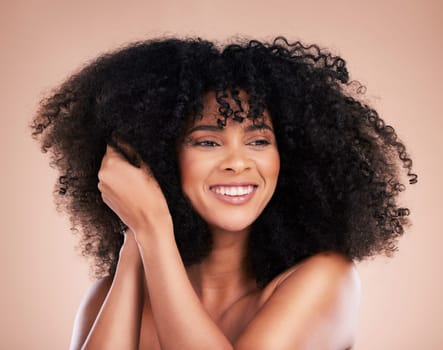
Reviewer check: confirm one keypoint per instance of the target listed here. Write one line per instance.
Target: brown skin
(154, 302)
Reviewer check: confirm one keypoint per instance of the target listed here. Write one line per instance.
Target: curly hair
(340, 173)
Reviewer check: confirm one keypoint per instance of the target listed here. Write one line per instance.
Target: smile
(233, 190)
(238, 194)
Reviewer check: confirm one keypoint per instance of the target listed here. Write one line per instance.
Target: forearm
(135, 196)
(117, 325)
(181, 320)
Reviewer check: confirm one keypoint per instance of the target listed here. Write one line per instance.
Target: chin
(232, 226)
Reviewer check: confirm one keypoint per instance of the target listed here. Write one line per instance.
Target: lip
(235, 200)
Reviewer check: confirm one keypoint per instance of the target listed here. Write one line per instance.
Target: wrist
(154, 242)
(129, 253)
(154, 231)
(130, 257)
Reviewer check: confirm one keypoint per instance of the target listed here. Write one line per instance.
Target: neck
(223, 277)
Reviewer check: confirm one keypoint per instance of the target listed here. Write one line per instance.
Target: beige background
(394, 47)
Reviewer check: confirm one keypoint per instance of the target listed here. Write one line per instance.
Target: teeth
(233, 190)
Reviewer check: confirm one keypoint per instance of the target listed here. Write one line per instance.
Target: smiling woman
(224, 193)
(228, 173)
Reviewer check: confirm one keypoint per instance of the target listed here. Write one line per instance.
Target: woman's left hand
(133, 194)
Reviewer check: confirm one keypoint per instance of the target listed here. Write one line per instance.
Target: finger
(110, 204)
(109, 153)
(102, 187)
(145, 167)
(126, 150)
(109, 160)
(110, 150)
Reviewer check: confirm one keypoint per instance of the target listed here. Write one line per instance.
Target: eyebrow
(249, 128)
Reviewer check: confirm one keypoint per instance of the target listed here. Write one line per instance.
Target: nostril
(235, 162)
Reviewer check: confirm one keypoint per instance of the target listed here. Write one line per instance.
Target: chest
(231, 323)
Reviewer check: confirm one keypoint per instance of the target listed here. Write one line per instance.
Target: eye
(206, 143)
(260, 142)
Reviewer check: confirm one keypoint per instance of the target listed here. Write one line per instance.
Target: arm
(181, 321)
(315, 307)
(134, 195)
(312, 308)
(109, 317)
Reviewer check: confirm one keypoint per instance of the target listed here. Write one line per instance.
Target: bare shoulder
(312, 305)
(330, 277)
(326, 267)
(88, 310)
(323, 267)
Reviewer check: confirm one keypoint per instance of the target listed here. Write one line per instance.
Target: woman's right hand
(134, 195)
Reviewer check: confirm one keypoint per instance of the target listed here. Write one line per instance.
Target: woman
(245, 180)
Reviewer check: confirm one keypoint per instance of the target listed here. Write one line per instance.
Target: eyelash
(261, 142)
(207, 143)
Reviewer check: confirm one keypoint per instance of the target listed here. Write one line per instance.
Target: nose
(236, 161)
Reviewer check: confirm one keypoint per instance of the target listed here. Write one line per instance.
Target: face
(228, 174)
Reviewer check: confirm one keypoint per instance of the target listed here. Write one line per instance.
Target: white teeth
(233, 190)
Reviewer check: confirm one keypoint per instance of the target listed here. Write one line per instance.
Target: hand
(133, 194)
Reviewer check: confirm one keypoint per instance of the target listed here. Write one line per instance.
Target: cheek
(191, 172)
(184, 168)
(271, 166)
